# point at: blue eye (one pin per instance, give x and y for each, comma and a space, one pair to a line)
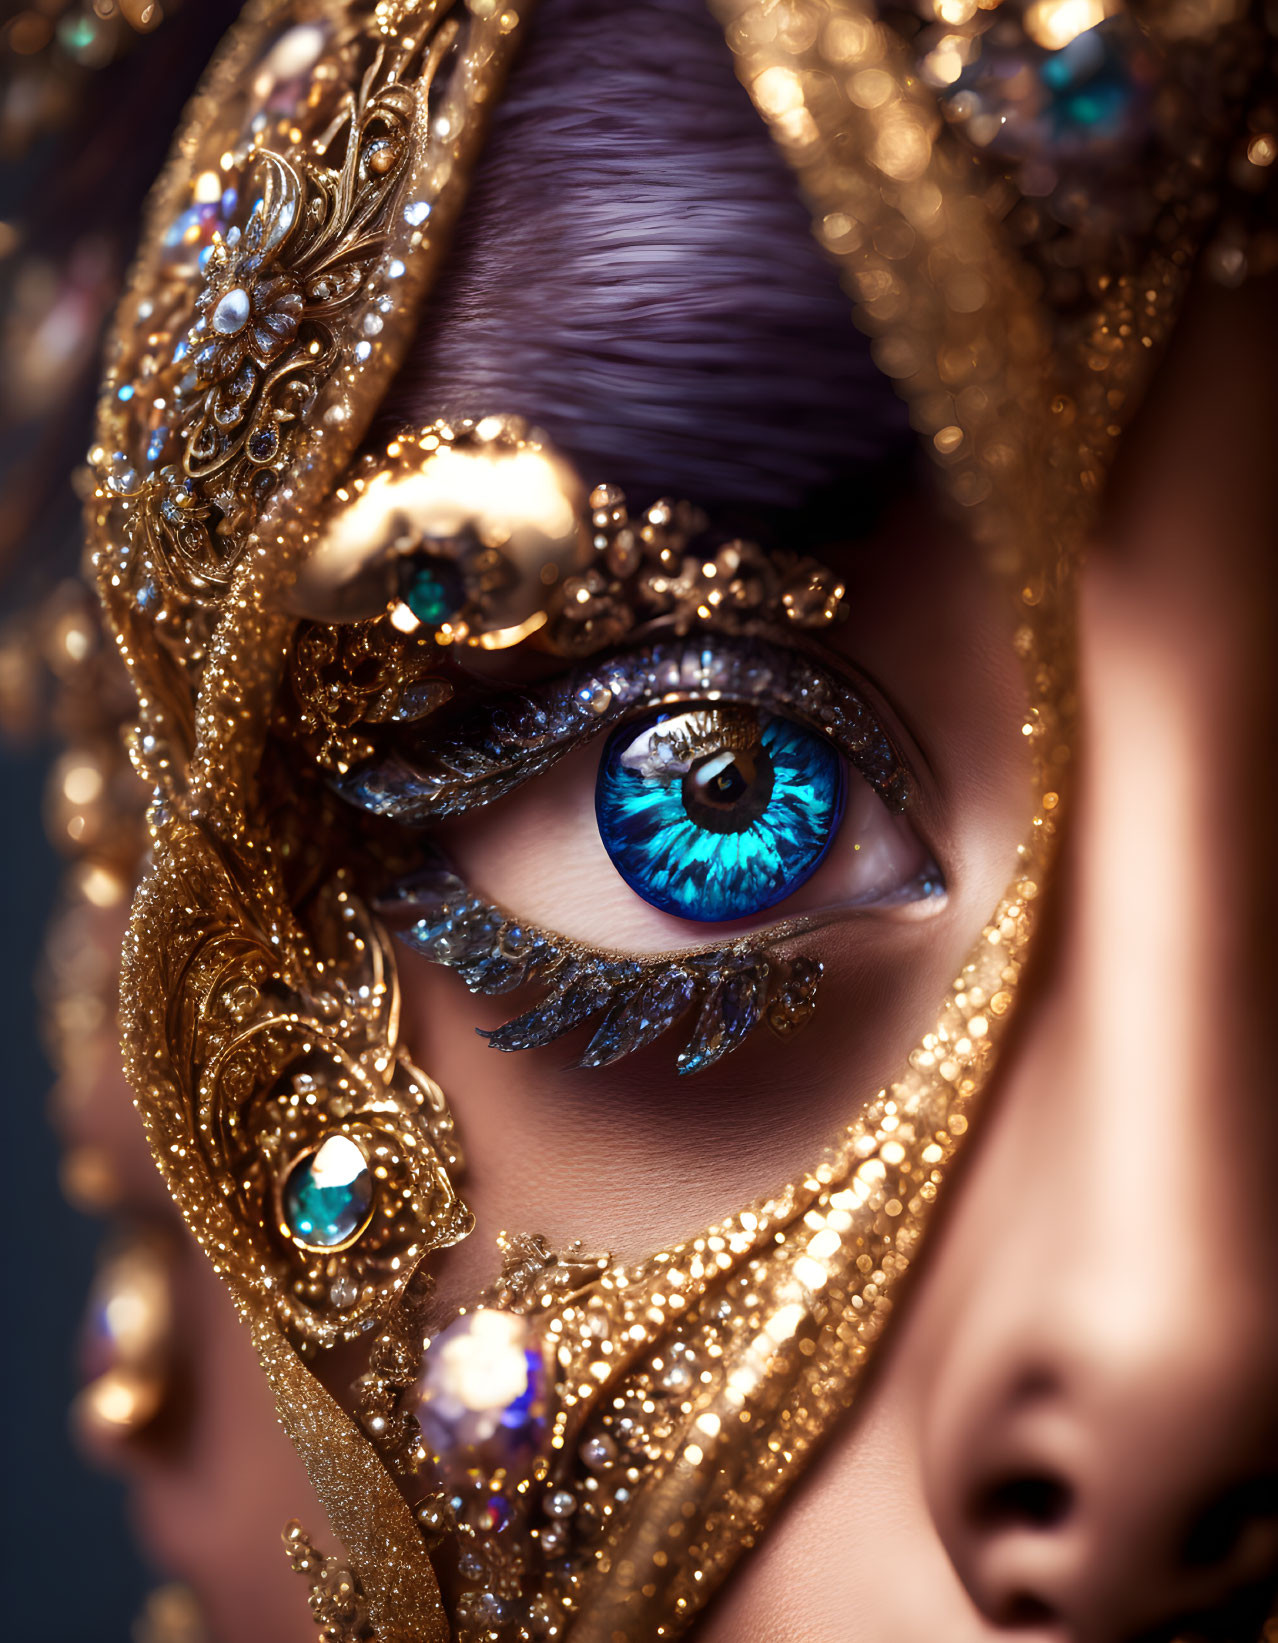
716, 813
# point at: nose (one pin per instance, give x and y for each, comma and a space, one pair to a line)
1099, 1420
1100, 1438
1100, 1441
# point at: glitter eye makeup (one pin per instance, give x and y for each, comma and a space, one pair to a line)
718, 813
632, 1001
469, 756
724, 789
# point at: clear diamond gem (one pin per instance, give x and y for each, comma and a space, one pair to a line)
232, 313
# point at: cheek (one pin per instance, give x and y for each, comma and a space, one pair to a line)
632, 1156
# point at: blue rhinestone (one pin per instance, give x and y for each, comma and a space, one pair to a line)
328, 1196
190, 237
263, 444
1083, 102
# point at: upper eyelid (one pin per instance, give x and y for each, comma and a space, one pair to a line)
518, 734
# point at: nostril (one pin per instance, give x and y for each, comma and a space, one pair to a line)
1022, 1609
1218, 1533
1030, 1500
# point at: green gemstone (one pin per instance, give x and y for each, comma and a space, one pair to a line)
433, 591
328, 1196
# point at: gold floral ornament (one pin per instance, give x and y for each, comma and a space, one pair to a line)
298, 263
679, 1396
288, 249
476, 534
262, 337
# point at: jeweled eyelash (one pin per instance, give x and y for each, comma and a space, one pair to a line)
492, 748
732, 988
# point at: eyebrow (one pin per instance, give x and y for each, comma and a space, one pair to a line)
635, 273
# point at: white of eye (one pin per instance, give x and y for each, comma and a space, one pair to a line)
537, 854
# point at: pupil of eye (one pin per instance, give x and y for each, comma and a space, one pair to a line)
716, 813
730, 789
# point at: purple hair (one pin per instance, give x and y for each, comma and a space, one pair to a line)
635, 272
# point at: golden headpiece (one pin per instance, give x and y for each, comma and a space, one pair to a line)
1015, 199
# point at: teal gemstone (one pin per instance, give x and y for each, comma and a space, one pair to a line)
1083, 103
433, 591
328, 1196
79, 35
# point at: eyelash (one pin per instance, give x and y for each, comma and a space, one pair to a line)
496, 746
732, 988
492, 747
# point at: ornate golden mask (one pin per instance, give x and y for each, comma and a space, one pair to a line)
252, 565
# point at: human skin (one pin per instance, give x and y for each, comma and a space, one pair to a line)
1095, 1310
1072, 1431
1090, 1317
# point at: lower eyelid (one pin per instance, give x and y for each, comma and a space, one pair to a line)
708, 997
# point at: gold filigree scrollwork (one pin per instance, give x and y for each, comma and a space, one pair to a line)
273, 1051
353, 675
259, 1007
261, 340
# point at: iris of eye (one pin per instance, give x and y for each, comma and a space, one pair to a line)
728, 790
714, 811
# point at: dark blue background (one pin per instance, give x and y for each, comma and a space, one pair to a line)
74, 1575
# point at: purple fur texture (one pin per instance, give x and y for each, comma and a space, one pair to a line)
635, 272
